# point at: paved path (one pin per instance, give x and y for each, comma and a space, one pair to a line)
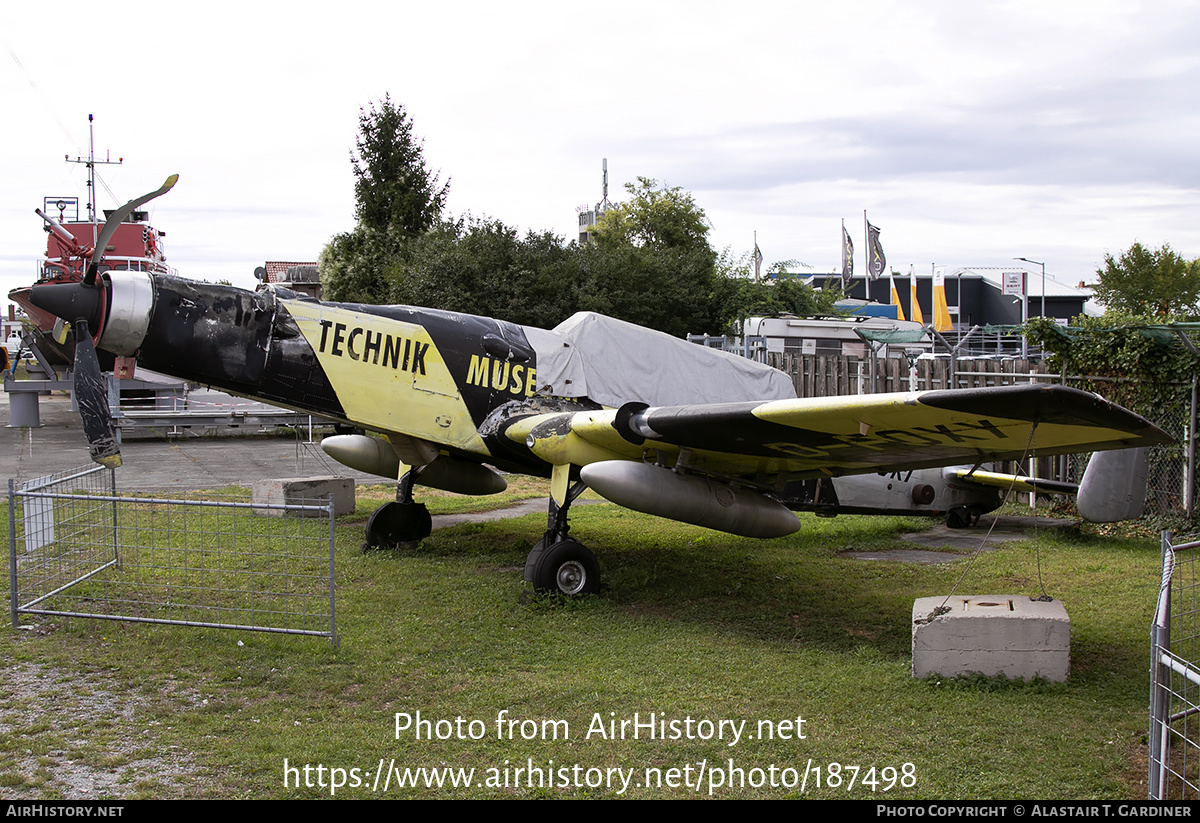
152, 461
940, 536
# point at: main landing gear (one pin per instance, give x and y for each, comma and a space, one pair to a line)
961, 518
557, 564
400, 521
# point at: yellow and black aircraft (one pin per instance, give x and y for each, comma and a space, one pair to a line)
648, 421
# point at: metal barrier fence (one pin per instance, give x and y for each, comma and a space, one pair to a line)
1174, 740
78, 549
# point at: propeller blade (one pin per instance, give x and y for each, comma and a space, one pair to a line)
91, 395
82, 304
111, 224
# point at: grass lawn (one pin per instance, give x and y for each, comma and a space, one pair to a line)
710, 636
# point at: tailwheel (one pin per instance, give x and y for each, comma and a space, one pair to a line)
565, 567
395, 524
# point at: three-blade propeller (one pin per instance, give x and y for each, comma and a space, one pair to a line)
84, 305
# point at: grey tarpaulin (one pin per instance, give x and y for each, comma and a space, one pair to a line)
613, 362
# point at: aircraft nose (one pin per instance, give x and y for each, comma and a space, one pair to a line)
70, 301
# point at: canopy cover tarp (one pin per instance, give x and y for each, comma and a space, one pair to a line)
613, 362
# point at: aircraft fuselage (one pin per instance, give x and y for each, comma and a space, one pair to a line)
428, 374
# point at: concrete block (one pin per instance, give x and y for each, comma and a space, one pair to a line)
23, 409
1009, 635
304, 490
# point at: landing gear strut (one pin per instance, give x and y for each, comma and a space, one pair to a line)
557, 564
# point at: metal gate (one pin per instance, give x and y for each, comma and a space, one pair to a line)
1175, 679
78, 549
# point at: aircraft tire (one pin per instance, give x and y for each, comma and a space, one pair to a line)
396, 524
534, 557
567, 568
959, 518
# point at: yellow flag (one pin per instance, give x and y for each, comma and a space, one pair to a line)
896, 300
917, 316
941, 311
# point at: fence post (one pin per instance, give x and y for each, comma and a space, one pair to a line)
1190, 473
112, 492
329, 512
12, 553
1160, 638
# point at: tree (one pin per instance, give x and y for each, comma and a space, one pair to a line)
1129, 358
487, 268
1156, 282
357, 266
397, 198
654, 217
738, 296
393, 188
652, 263
786, 294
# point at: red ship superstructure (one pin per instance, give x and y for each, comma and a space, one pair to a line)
71, 241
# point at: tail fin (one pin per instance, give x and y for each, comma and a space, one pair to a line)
1114, 485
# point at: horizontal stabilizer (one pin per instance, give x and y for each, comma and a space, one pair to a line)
1016, 482
1113, 486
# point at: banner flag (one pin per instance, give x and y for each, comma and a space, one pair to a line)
915, 308
941, 311
896, 299
876, 260
847, 257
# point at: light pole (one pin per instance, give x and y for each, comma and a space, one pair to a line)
1043, 265
1032, 464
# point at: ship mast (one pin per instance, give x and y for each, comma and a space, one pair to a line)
91, 162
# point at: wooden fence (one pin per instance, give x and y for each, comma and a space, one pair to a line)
816, 375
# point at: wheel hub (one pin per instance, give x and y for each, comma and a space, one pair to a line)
571, 577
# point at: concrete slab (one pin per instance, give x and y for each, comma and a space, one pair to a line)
1007, 529
536, 505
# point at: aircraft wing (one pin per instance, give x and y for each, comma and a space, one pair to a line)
832, 436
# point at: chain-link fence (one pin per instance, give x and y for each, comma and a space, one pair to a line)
1170, 493
78, 548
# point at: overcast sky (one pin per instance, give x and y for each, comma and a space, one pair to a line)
971, 133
